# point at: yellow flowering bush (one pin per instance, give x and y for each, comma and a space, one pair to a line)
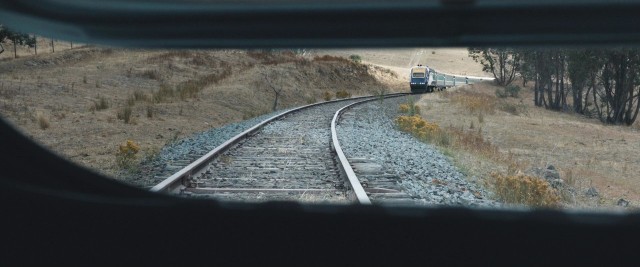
127, 154
523, 189
410, 109
422, 129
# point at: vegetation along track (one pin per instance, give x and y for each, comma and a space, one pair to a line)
287, 157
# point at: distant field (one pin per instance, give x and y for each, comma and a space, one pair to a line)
449, 60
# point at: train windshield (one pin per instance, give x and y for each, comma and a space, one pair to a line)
547, 128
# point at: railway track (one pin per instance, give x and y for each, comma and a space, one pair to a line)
292, 156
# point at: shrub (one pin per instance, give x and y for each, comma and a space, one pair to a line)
330, 58
151, 74
127, 154
125, 114
149, 111
509, 91
164, 93
513, 90
404, 108
422, 129
131, 101
527, 190
343, 94
101, 104
410, 109
326, 96
43, 122
139, 96
501, 93
510, 108
356, 58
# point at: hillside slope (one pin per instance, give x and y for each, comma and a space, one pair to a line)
85, 102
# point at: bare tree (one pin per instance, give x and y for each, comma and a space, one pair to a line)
274, 86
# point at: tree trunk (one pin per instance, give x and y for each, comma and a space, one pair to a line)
15, 50
275, 103
53, 48
596, 105
35, 44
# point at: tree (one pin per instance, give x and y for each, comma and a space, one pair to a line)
583, 66
607, 80
503, 63
16, 38
617, 99
269, 81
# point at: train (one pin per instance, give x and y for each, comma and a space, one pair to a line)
422, 79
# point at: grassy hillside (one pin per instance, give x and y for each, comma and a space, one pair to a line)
84, 102
493, 138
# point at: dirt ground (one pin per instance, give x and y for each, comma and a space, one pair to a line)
586, 152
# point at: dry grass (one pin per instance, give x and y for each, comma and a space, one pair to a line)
519, 137
183, 91
342, 94
275, 57
151, 74
474, 142
191, 88
331, 58
473, 102
43, 122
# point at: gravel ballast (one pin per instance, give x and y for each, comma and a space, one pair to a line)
181, 153
368, 131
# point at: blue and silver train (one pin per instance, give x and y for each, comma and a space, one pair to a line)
422, 79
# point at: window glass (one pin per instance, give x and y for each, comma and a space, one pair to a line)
553, 128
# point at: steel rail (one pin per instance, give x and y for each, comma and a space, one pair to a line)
358, 191
178, 180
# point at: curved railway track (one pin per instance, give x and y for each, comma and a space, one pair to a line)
292, 156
